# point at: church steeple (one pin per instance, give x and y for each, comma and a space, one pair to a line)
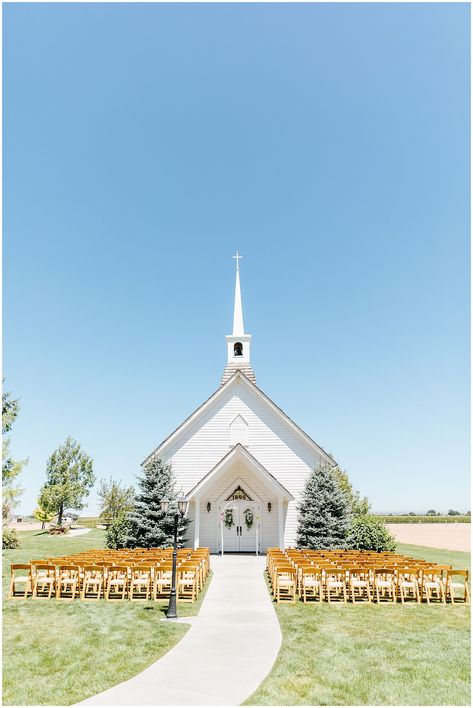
238, 343
238, 327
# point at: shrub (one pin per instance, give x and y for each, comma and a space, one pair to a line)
368, 533
117, 533
10, 539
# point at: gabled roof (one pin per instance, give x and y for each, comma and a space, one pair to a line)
241, 453
240, 377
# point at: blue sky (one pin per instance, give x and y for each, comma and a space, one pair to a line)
329, 143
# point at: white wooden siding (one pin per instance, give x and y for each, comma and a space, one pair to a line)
271, 441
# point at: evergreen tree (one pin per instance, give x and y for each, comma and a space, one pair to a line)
148, 526
324, 513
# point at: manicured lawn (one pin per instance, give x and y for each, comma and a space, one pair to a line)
370, 655
61, 652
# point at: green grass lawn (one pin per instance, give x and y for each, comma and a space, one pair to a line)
370, 655
61, 652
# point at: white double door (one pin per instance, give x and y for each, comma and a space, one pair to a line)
238, 537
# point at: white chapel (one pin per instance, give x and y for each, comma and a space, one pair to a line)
241, 462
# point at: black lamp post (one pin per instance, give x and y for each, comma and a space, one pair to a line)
182, 506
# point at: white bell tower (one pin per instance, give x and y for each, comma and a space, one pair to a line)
238, 343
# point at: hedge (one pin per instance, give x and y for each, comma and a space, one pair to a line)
393, 519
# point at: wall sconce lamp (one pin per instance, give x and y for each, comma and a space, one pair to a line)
209, 506
269, 507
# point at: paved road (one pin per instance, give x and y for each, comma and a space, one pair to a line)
229, 649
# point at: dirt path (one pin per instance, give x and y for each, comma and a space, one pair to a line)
454, 537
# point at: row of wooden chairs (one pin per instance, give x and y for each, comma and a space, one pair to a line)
93, 575
357, 576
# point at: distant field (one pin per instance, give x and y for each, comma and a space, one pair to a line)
393, 519
88, 521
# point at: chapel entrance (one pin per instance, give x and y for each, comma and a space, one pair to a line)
239, 527
239, 521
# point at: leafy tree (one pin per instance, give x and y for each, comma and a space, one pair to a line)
368, 533
412, 513
324, 512
453, 512
115, 499
149, 527
117, 533
11, 468
358, 504
44, 516
10, 410
432, 512
69, 478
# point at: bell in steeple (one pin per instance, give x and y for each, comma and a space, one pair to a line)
238, 343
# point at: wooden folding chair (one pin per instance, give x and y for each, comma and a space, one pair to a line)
452, 585
407, 582
141, 581
162, 581
431, 583
311, 583
285, 585
116, 583
384, 581
92, 582
359, 584
68, 580
25, 578
187, 582
335, 582
44, 580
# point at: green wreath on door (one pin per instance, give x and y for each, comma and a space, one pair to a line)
249, 518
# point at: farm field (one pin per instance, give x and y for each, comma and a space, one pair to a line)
372, 655
61, 652
454, 537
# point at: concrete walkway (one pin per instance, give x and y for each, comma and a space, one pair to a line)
228, 650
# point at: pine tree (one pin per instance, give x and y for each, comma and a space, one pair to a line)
148, 526
324, 513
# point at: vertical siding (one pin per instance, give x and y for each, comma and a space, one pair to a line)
270, 440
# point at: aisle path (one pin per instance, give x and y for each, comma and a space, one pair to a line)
228, 650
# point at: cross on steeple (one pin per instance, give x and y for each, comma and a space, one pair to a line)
237, 257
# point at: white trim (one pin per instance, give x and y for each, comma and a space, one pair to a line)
281, 524
196, 522
239, 378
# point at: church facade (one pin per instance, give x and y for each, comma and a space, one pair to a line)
241, 462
